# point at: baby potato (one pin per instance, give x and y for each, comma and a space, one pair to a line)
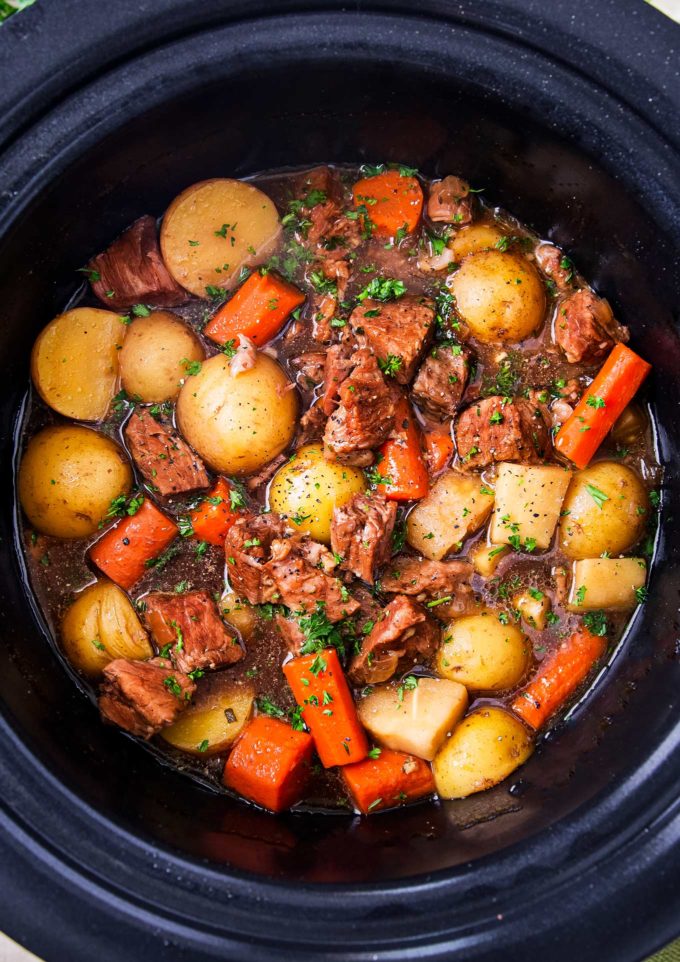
237, 424
238, 613
218, 711
309, 487
483, 654
487, 746
152, 361
605, 509
630, 426
476, 237
74, 364
213, 229
68, 477
100, 626
499, 295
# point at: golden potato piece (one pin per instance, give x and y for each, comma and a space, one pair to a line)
457, 506
611, 583
217, 713
101, 625
605, 509
500, 296
534, 607
154, 356
213, 229
238, 613
68, 477
414, 719
484, 749
485, 557
74, 364
476, 237
528, 503
309, 487
483, 654
237, 424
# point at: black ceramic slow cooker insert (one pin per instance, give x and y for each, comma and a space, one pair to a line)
569, 116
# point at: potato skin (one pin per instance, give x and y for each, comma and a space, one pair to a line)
205, 720
483, 654
68, 477
486, 747
492, 302
588, 530
476, 237
237, 424
151, 359
309, 486
74, 363
198, 227
100, 626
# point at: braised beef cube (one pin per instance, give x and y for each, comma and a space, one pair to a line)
365, 415
143, 696
310, 367
441, 381
247, 548
555, 265
404, 636
312, 425
131, 271
449, 201
445, 582
502, 429
163, 458
361, 533
265, 473
189, 627
585, 327
397, 331
291, 633
340, 360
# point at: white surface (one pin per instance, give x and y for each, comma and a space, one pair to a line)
11, 952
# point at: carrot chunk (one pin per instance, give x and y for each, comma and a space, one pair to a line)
392, 201
558, 677
438, 450
402, 465
612, 390
258, 310
320, 688
124, 551
270, 763
387, 780
215, 514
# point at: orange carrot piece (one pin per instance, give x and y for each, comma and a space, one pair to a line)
612, 390
393, 202
270, 763
558, 677
328, 709
211, 520
258, 310
123, 552
388, 780
438, 450
402, 464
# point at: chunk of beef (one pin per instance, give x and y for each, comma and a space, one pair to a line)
441, 381
365, 415
291, 632
405, 636
322, 308
450, 202
266, 473
427, 580
267, 562
312, 425
310, 367
143, 696
339, 362
131, 270
555, 265
361, 532
189, 626
499, 429
166, 461
585, 327
397, 331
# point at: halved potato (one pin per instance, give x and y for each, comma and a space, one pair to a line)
482, 653
457, 506
74, 364
237, 424
485, 748
533, 606
155, 355
528, 503
416, 719
476, 237
611, 583
218, 711
485, 557
68, 477
101, 625
309, 487
213, 229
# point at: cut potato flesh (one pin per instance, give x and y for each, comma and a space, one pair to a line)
612, 583
416, 719
485, 558
457, 506
217, 714
215, 228
528, 504
74, 364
